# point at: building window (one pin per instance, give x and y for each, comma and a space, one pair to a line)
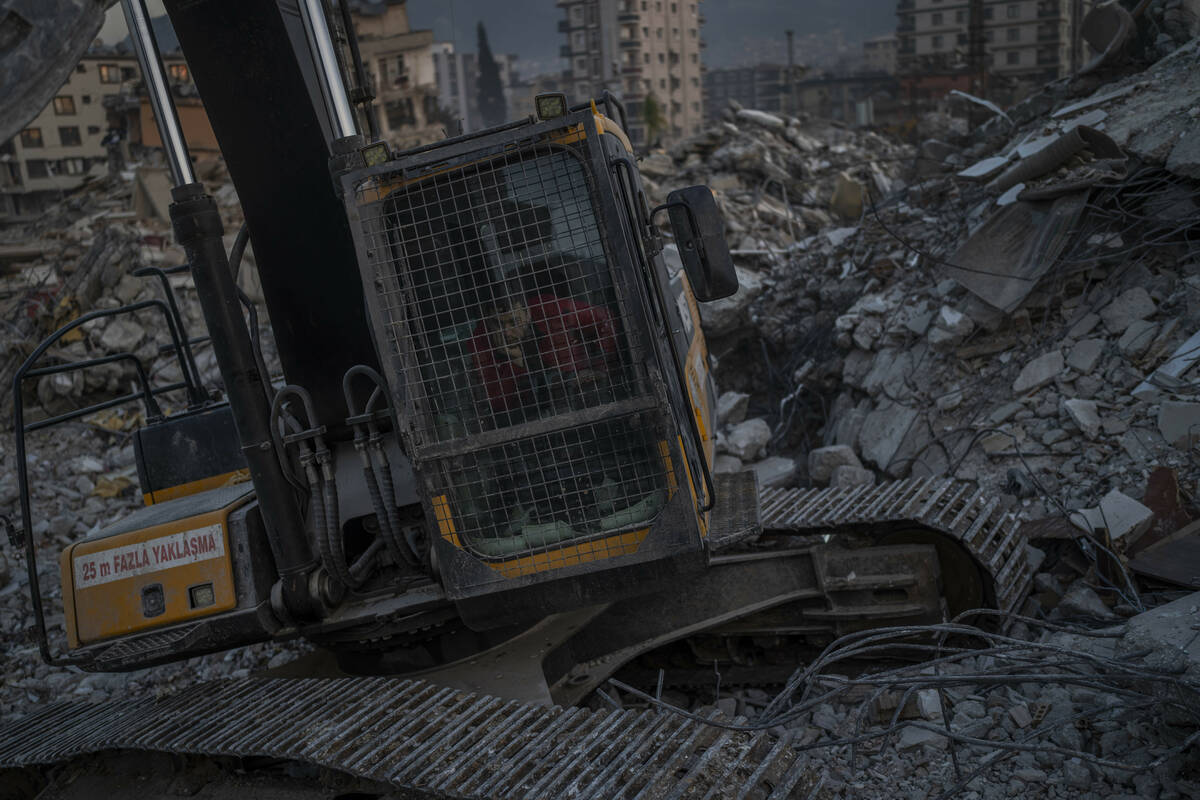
988, 36
695, 58
937, 42
87, 99
109, 73
662, 57
68, 135
128, 73
93, 130
646, 57
64, 105
80, 67
662, 83
658, 32
960, 16
36, 168
1014, 34
31, 137
178, 72
1014, 57
987, 12
72, 166
962, 38
937, 18
1013, 12
674, 8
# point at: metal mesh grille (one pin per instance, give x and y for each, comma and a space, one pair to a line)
515, 350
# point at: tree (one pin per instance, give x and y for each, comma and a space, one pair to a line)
490, 92
652, 116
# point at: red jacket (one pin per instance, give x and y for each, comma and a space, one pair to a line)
564, 328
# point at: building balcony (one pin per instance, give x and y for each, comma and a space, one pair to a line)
906, 27
628, 16
631, 43
564, 25
1053, 11
565, 51
1048, 36
906, 5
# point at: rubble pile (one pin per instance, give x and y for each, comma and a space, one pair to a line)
1016, 306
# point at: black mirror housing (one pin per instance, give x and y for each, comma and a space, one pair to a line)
700, 235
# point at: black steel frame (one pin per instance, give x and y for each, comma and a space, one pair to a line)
627, 258
147, 395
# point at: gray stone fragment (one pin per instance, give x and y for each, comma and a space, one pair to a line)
822, 461
1117, 513
1084, 325
1085, 355
848, 477
912, 737
1077, 775
731, 408
1039, 372
1131, 305
883, 432
747, 439
1081, 601
774, 472
1137, 338
1085, 415
122, 335
1179, 423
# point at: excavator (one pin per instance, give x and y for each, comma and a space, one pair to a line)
488, 464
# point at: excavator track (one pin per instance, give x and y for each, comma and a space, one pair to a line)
427, 740
955, 509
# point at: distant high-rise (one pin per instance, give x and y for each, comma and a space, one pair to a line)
1025, 41
647, 52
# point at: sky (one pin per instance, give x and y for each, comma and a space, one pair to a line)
738, 32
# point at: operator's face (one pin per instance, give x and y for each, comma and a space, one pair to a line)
514, 324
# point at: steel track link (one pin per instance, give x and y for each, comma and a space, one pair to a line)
958, 509
429, 740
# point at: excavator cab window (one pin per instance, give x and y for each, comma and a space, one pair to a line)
500, 289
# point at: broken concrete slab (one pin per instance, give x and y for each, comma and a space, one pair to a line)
848, 476
1179, 423
1126, 308
1085, 415
822, 461
727, 315
731, 408
1118, 513
1081, 601
884, 431
1039, 372
774, 471
1184, 357
985, 169
1014, 248
1137, 338
726, 463
1085, 355
747, 439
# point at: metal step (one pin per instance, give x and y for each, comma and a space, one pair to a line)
429, 740
958, 509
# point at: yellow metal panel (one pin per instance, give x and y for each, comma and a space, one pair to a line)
105, 578
441, 510
609, 547
195, 487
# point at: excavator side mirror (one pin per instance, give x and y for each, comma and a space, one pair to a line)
700, 236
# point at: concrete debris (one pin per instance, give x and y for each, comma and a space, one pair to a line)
847, 476
1179, 423
824, 460
746, 440
1085, 355
1127, 308
774, 472
731, 408
1038, 372
1083, 413
1119, 515
1081, 601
